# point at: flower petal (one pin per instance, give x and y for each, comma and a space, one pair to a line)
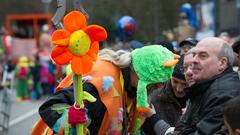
60, 37
96, 32
76, 65
74, 20
60, 55
92, 55
58, 50
93, 51
94, 47
87, 63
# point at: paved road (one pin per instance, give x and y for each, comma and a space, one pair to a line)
23, 115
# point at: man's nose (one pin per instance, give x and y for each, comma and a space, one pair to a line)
195, 59
188, 72
179, 88
185, 50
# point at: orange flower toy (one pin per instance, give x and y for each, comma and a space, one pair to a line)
77, 44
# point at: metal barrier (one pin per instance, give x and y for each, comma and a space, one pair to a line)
5, 106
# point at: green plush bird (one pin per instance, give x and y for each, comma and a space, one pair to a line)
152, 64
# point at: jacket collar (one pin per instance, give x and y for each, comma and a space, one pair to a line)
200, 87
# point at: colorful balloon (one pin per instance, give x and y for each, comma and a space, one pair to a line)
126, 26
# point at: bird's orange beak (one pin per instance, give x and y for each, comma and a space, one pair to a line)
171, 63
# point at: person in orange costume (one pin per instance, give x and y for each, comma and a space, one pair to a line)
114, 81
118, 103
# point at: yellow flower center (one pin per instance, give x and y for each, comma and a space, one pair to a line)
79, 43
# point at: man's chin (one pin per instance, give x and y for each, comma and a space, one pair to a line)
180, 95
191, 82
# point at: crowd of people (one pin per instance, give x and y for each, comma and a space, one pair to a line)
191, 91
199, 97
27, 76
153, 89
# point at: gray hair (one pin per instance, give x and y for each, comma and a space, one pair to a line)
120, 58
226, 51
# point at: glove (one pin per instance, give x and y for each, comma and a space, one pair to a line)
76, 115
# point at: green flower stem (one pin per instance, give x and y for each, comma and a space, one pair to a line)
78, 95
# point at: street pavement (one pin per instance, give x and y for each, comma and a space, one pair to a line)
23, 116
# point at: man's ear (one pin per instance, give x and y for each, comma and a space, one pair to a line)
223, 63
237, 131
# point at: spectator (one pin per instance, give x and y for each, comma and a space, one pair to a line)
22, 76
225, 36
236, 49
35, 70
187, 44
231, 113
184, 29
187, 62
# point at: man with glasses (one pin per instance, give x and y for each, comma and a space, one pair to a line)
187, 44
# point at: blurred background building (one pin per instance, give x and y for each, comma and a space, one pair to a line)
153, 17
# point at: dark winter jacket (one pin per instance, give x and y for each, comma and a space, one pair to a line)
167, 106
206, 100
96, 110
204, 113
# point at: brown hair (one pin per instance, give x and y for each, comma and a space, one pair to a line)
231, 113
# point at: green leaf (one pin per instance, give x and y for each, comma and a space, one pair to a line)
87, 96
60, 108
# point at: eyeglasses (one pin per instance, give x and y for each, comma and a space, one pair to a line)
190, 66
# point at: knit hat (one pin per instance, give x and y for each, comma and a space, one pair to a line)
148, 64
178, 71
166, 44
